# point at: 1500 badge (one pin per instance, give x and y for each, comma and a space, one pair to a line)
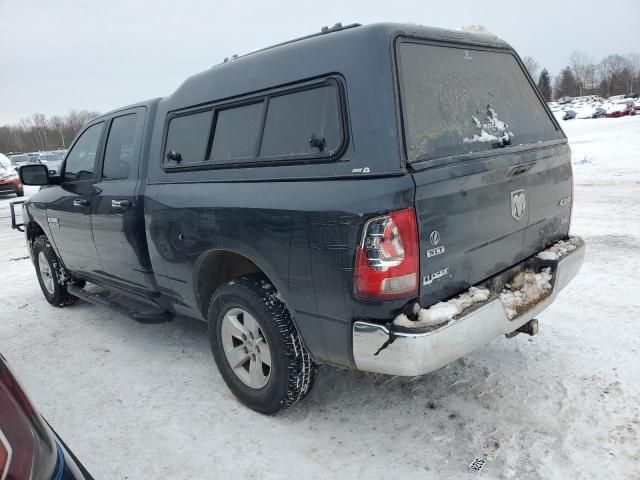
53, 222
429, 279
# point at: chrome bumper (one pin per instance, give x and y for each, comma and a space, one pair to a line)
408, 354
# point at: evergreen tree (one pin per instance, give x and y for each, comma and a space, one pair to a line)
568, 85
544, 85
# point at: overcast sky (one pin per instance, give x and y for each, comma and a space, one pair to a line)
61, 54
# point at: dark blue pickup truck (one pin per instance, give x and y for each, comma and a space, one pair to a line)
384, 197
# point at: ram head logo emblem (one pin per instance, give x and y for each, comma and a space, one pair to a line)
518, 204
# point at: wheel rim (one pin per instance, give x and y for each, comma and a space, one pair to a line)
246, 348
45, 273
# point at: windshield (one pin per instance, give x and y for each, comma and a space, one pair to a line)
18, 159
459, 101
52, 157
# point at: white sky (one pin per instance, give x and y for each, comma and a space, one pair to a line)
61, 54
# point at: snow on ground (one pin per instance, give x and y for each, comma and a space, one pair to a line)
141, 402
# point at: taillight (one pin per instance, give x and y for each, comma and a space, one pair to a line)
5, 456
27, 448
387, 257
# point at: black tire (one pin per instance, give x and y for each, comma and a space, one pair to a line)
20, 191
292, 371
59, 297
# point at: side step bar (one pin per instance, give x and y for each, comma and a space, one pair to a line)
137, 310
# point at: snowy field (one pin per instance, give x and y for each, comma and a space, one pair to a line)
146, 402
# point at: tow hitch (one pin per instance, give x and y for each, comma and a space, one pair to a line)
530, 328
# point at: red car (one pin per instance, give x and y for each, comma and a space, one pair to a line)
9, 181
621, 109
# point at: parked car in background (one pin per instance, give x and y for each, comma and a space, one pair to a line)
23, 158
621, 109
9, 180
569, 115
53, 160
29, 447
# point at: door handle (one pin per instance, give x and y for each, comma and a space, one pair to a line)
83, 202
120, 204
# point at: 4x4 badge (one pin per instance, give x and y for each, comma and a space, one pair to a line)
518, 203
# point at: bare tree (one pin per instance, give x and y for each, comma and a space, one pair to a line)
610, 68
633, 63
531, 65
40, 126
58, 124
580, 63
38, 132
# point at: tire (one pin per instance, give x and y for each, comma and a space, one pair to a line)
20, 192
291, 372
55, 280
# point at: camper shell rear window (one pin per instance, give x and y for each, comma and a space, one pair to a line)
458, 100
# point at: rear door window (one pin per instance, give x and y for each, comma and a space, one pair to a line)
119, 153
457, 101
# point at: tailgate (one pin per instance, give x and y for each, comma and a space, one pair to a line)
491, 166
467, 216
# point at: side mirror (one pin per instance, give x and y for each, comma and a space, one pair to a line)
36, 174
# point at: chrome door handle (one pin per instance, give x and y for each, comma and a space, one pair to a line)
120, 203
81, 202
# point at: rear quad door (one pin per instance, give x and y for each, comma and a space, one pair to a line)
116, 213
69, 215
491, 166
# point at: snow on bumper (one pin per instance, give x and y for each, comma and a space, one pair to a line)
383, 349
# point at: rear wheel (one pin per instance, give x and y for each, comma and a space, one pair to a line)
256, 346
52, 276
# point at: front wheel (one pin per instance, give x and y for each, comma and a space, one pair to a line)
52, 276
256, 346
20, 191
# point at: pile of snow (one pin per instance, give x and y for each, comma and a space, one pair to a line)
492, 130
478, 29
558, 250
442, 312
525, 290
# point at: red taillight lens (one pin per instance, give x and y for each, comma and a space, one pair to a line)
5, 456
387, 257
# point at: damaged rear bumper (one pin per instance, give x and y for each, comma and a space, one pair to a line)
382, 349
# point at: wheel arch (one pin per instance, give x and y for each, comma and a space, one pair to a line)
216, 267
33, 230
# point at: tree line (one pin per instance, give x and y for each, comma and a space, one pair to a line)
42, 132
612, 75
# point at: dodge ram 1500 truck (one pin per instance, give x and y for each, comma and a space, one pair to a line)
386, 198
